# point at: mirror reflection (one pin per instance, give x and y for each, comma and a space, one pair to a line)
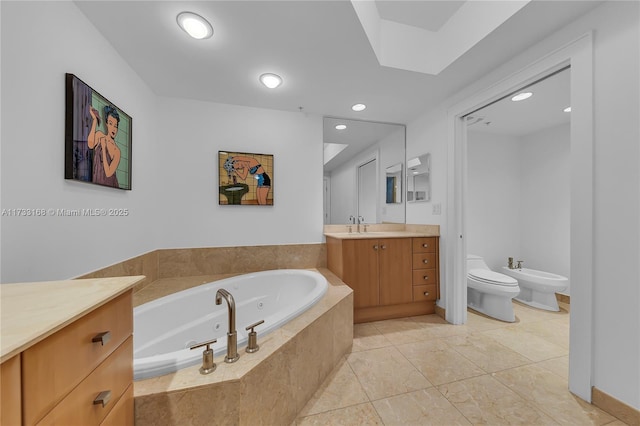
357, 157
394, 184
419, 179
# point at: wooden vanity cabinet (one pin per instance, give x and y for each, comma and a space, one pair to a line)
383, 275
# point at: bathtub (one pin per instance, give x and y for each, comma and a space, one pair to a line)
164, 329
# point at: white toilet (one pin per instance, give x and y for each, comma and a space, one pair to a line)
490, 292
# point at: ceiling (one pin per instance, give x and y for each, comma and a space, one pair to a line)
544, 109
321, 49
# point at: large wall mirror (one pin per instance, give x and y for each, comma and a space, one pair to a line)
363, 171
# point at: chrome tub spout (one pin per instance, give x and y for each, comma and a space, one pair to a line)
232, 335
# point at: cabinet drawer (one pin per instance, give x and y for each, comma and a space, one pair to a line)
424, 245
54, 366
115, 374
424, 276
122, 413
420, 290
424, 260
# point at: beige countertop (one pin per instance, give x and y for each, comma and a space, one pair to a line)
381, 231
29, 312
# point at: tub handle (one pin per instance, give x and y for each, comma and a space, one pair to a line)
208, 366
252, 345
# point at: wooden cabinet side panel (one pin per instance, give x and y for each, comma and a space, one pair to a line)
360, 261
334, 256
396, 275
10, 392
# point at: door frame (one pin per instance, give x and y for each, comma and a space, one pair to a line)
579, 55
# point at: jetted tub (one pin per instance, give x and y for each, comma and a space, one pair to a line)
164, 329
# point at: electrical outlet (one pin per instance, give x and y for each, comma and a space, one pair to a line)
437, 208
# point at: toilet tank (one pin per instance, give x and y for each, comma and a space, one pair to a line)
475, 262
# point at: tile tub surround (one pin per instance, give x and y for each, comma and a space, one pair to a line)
267, 387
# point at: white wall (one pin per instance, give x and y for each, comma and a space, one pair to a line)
518, 199
616, 331
41, 41
174, 200
544, 202
493, 198
195, 132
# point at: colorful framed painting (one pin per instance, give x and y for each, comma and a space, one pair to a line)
97, 138
245, 179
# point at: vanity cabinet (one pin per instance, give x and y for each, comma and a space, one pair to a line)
390, 277
81, 374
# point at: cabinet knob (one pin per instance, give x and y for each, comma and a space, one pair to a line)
102, 398
425, 245
384, 247
426, 278
102, 338
375, 247
426, 293
425, 261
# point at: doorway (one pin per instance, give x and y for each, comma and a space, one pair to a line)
367, 191
578, 54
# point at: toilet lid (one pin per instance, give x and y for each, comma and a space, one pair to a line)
491, 277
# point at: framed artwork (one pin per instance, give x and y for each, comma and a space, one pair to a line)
97, 138
245, 178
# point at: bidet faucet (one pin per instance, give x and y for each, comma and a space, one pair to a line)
232, 335
511, 263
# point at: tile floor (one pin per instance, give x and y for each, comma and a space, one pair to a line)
424, 371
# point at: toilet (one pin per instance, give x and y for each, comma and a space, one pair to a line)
490, 292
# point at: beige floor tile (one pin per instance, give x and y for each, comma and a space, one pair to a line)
367, 336
549, 393
438, 362
556, 332
356, 415
423, 407
480, 322
559, 366
401, 330
385, 372
484, 400
527, 344
341, 389
528, 313
436, 327
486, 353
617, 423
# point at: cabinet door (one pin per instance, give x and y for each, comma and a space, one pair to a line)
396, 275
360, 259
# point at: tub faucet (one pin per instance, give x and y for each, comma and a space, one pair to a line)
232, 335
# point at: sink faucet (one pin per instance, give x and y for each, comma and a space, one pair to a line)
360, 220
232, 335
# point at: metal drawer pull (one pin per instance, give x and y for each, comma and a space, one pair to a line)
103, 338
426, 293
103, 398
425, 261
426, 277
425, 245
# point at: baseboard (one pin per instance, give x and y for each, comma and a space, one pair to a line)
441, 312
616, 408
563, 298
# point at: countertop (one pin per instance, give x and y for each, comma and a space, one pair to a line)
381, 231
29, 312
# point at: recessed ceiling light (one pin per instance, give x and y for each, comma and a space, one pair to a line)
341, 127
522, 96
194, 25
359, 107
271, 80
567, 109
